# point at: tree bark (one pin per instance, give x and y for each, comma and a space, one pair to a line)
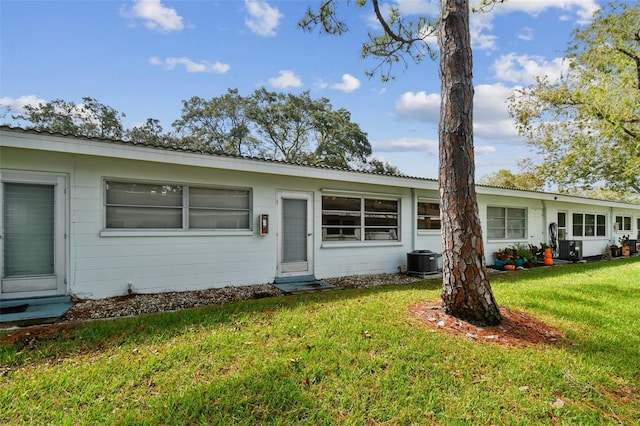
466, 292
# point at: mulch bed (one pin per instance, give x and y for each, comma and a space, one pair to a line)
517, 328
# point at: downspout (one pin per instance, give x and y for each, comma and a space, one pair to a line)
545, 223
414, 218
612, 238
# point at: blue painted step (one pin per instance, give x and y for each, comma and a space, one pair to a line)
41, 310
303, 284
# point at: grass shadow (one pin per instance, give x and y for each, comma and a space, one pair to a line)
21, 346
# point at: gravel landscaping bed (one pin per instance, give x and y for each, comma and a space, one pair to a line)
137, 304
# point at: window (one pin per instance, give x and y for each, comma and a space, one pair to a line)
428, 215
131, 205
562, 225
623, 223
589, 225
506, 223
358, 218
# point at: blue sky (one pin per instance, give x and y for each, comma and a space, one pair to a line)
145, 57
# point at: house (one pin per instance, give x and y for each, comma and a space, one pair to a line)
98, 218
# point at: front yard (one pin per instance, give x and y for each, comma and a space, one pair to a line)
341, 357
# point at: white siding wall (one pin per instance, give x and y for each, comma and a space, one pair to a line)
103, 264
334, 259
535, 233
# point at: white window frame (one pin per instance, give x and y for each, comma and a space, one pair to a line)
620, 225
422, 216
184, 207
583, 225
361, 228
506, 224
561, 235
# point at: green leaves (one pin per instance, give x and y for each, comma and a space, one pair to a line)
275, 125
587, 124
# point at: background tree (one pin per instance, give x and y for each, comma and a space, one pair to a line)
587, 123
528, 178
150, 133
466, 292
274, 125
90, 118
219, 123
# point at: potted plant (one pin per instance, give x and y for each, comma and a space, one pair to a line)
615, 250
499, 257
522, 255
625, 248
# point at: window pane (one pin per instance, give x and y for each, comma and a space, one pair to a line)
380, 205
428, 209
562, 220
340, 219
380, 220
589, 225
496, 223
496, 233
428, 223
341, 203
626, 223
144, 217
219, 198
496, 212
341, 234
381, 234
294, 230
514, 234
218, 219
28, 218
515, 213
601, 225
578, 223
138, 194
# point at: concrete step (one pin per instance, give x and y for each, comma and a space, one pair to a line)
42, 310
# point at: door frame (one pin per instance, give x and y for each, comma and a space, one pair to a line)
295, 195
59, 182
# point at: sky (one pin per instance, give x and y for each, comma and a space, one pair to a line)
144, 57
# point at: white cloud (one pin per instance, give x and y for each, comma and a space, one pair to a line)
428, 146
17, 105
285, 79
584, 9
348, 84
481, 23
484, 150
263, 19
157, 16
419, 106
523, 69
491, 120
491, 116
418, 7
190, 66
525, 34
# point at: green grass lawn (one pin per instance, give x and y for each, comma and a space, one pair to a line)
342, 357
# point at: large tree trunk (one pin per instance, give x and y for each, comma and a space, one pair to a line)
466, 292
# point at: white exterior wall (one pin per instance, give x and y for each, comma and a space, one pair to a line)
535, 226
591, 246
103, 263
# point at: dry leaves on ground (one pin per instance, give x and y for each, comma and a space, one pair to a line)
517, 328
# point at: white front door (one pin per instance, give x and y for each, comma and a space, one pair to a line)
32, 252
295, 234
